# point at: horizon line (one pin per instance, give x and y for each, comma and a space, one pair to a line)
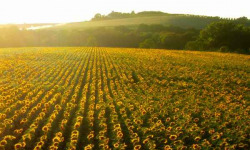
19, 23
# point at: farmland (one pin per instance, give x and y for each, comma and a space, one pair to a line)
174, 20
117, 98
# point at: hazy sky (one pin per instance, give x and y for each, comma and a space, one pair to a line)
60, 11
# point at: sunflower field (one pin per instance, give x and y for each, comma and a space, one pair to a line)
84, 98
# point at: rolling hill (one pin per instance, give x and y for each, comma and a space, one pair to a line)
184, 21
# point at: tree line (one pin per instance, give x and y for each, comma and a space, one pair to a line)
227, 36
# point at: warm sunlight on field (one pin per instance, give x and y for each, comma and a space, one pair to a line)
101, 98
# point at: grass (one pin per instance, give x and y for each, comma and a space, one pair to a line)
184, 21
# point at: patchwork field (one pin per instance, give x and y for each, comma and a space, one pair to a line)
114, 98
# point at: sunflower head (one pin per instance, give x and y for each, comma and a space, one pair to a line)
45, 129
90, 136
173, 137
197, 138
216, 137
145, 141
196, 146
18, 146
116, 145
167, 147
137, 147
3, 142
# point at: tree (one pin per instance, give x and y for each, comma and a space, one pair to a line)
235, 37
148, 43
97, 16
133, 12
242, 20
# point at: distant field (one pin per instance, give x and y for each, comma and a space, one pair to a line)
177, 20
25, 26
101, 98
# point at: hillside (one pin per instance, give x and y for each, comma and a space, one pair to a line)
142, 30
184, 21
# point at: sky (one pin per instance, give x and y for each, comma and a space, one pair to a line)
63, 11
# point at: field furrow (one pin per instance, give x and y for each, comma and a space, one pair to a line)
84, 98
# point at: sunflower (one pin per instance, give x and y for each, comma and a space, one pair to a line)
205, 142
196, 119
18, 146
26, 137
137, 147
196, 146
23, 144
242, 145
116, 145
56, 139
173, 137
167, 147
202, 132
56, 144
23, 121
211, 131
79, 118
90, 136
150, 136
172, 123
178, 128
102, 146
37, 148
169, 129
40, 143
89, 147
107, 147
58, 107
77, 125
3, 142
72, 147
101, 137
9, 137
45, 129
117, 126
168, 119
119, 134
59, 134
145, 141
197, 138
131, 127
223, 144
216, 137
